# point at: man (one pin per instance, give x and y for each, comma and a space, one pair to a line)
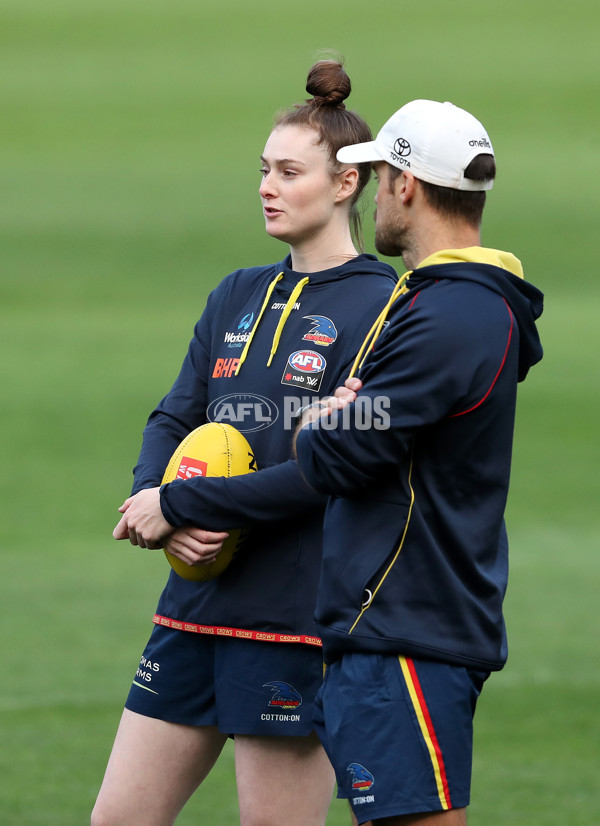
415, 550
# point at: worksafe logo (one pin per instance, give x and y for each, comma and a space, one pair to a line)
402, 147
242, 335
246, 321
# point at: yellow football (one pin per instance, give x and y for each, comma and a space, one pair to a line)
213, 449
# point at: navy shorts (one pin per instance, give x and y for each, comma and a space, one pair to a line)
399, 733
240, 686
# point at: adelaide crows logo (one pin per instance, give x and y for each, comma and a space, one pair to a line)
361, 778
323, 330
284, 695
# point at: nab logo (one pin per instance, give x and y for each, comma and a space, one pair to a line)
361, 778
307, 361
284, 695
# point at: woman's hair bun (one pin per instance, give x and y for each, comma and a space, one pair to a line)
328, 83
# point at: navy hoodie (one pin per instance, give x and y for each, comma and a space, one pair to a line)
415, 557
298, 348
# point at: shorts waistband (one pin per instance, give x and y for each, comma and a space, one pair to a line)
237, 633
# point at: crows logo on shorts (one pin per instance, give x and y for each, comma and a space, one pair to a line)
284, 695
361, 778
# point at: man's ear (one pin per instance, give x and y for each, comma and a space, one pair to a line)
407, 187
348, 181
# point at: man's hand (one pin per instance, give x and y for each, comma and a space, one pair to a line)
143, 522
195, 546
323, 409
348, 392
342, 396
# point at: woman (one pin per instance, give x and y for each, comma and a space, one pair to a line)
284, 331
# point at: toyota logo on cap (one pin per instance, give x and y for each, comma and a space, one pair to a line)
402, 147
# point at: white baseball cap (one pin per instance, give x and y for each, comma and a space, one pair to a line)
435, 141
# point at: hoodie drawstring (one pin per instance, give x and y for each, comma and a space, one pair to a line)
270, 289
284, 317
373, 334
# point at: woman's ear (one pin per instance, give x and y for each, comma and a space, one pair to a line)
348, 181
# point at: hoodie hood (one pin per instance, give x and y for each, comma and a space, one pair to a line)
476, 255
364, 264
498, 271
288, 285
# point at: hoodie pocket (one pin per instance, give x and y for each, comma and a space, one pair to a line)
359, 552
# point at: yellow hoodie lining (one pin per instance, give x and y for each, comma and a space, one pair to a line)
476, 255
375, 330
283, 318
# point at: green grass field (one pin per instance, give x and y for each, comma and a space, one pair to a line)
130, 139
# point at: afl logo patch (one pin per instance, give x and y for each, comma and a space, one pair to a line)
304, 368
307, 361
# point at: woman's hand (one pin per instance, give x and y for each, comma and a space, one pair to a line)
195, 546
143, 522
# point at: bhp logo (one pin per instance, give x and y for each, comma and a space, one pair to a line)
225, 368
